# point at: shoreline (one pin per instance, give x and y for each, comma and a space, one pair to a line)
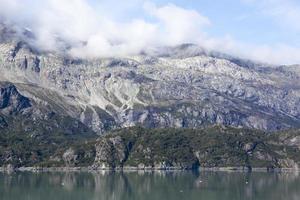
136, 169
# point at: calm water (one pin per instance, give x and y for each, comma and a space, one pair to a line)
150, 186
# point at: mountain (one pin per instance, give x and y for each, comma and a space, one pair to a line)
181, 86
190, 107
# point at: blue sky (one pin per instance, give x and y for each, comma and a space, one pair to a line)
240, 20
243, 20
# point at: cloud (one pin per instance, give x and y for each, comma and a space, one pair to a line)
92, 29
76, 23
170, 25
277, 54
178, 25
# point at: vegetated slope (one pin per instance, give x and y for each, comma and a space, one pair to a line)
214, 146
31, 130
141, 148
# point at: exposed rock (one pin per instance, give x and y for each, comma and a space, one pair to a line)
288, 163
10, 168
293, 141
11, 100
110, 153
264, 156
70, 158
36, 65
24, 64
3, 123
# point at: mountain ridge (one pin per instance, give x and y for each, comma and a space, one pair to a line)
180, 86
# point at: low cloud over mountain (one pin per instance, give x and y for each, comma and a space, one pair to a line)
88, 29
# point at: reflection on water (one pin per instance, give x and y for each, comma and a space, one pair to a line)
150, 186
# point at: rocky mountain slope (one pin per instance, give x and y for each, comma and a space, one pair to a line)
182, 86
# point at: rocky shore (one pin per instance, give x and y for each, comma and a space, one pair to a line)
136, 169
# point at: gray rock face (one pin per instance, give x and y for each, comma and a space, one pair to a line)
11, 100
110, 153
183, 87
3, 123
70, 158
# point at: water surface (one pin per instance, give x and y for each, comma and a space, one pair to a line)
150, 186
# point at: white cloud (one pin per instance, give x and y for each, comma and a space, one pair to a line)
77, 22
178, 25
281, 54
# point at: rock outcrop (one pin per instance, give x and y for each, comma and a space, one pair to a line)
11, 101
110, 153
